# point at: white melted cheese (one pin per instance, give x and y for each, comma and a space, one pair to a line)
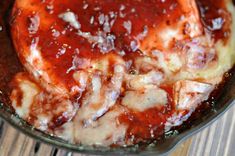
142, 100
144, 80
42, 105
29, 90
71, 18
103, 132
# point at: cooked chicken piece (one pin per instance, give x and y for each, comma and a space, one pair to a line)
189, 94
100, 98
42, 109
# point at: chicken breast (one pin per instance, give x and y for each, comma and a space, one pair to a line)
186, 25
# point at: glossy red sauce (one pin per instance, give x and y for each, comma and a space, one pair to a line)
215, 18
152, 121
63, 38
60, 42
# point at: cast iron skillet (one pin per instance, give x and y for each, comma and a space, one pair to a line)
9, 65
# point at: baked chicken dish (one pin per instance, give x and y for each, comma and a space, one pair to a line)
118, 72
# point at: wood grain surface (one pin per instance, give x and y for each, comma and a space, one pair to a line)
216, 140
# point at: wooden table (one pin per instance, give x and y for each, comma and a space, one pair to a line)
216, 140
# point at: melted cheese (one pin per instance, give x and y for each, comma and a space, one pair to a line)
104, 132
28, 90
142, 100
